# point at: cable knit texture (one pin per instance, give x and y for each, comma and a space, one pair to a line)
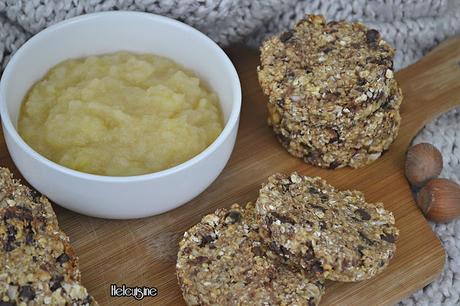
444, 133
413, 27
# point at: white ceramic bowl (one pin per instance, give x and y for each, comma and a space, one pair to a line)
132, 196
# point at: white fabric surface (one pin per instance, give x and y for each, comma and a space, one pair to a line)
412, 26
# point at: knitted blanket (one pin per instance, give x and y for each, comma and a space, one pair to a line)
413, 27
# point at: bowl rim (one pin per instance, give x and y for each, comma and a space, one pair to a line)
233, 119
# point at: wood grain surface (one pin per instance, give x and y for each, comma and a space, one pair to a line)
142, 252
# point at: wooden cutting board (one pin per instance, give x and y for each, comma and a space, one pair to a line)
142, 252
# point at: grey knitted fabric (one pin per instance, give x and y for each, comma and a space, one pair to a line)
412, 26
444, 133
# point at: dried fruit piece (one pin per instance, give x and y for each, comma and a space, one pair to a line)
285, 36
372, 37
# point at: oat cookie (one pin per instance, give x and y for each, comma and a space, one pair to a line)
38, 266
13, 193
221, 261
335, 146
27, 244
333, 233
327, 72
333, 100
39, 293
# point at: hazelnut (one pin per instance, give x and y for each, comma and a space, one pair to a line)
423, 162
439, 200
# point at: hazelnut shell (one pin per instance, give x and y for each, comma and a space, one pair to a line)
439, 200
423, 162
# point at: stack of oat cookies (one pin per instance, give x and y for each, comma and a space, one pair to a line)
279, 251
333, 99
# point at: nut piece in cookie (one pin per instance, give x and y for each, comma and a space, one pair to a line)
333, 233
222, 261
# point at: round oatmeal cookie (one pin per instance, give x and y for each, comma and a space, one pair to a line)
335, 146
14, 194
42, 265
333, 233
323, 72
30, 247
222, 261
40, 293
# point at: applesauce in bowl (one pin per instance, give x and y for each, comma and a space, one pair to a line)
120, 114
120, 197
